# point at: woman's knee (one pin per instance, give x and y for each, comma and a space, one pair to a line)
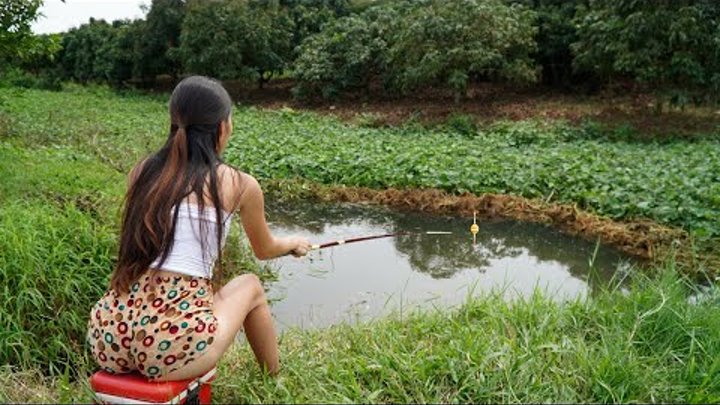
253, 287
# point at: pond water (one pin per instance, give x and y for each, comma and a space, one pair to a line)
359, 281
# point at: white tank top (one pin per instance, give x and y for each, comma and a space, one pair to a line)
186, 255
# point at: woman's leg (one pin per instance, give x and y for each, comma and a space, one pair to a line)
241, 302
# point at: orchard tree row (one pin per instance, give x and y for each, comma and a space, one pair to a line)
334, 46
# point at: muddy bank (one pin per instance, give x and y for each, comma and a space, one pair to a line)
640, 238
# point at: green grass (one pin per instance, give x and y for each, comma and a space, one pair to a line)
646, 344
675, 182
57, 238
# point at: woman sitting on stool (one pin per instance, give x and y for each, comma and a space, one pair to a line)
160, 315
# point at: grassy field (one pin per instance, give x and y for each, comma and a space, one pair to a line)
676, 182
63, 158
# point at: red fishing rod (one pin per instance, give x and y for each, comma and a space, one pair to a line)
364, 238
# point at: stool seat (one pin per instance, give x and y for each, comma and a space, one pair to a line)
134, 388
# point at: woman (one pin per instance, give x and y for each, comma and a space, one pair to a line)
160, 315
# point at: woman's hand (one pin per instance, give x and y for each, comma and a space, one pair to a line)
301, 246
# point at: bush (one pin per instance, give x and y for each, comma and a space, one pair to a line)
16, 77
231, 40
349, 53
463, 124
670, 46
450, 44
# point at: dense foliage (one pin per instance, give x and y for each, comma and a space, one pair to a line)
350, 53
556, 32
15, 35
674, 45
98, 51
451, 44
336, 47
309, 16
157, 41
407, 45
236, 39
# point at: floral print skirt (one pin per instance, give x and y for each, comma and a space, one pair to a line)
160, 325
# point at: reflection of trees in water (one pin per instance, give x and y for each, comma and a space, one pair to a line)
441, 256
317, 217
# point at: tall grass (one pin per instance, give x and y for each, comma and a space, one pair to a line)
646, 343
57, 243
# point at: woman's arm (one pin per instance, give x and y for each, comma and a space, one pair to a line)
264, 244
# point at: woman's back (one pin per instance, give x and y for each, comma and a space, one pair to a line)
195, 248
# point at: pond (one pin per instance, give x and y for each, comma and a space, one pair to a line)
359, 281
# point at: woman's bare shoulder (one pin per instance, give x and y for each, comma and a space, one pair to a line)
235, 183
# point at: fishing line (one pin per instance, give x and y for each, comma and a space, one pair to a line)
365, 238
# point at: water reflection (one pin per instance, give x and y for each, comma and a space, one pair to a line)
442, 256
368, 279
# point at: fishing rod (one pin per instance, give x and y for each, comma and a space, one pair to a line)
364, 238
474, 229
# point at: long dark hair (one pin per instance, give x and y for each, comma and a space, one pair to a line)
186, 164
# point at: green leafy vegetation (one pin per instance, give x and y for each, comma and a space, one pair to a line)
408, 45
671, 45
15, 35
236, 40
676, 182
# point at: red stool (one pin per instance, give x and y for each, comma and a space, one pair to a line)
134, 388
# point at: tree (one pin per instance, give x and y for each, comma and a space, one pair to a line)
449, 44
126, 53
349, 53
79, 50
42, 53
15, 35
236, 39
670, 46
157, 46
309, 16
98, 51
556, 32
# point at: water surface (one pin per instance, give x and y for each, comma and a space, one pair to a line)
363, 280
